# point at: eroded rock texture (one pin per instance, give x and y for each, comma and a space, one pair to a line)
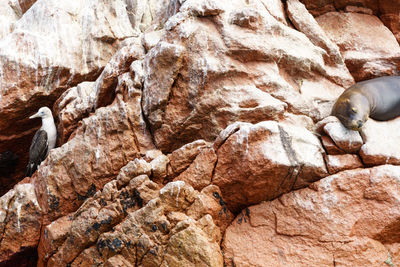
197, 133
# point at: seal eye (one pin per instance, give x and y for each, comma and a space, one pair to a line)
354, 109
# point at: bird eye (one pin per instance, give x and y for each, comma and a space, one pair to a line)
354, 109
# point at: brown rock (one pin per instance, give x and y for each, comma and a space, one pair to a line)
306, 23
330, 146
20, 223
88, 258
210, 202
52, 237
199, 173
247, 67
163, 233
71, 107
337, 221
41, 60
103, 144
369, 48
99, 214
337, 163
317, 8
381, 142
181, 158
262, 161
388, 10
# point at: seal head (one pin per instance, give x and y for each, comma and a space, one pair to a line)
352, 109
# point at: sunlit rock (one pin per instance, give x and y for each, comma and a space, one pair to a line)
381, 142
249, 66
262, 161
368, 47
344, 219
20, 223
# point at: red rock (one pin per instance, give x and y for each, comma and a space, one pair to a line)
52, 236
199, 173
155, 234
317, 8
262, 161
99, 214
338, 220
103, 144
231, 82
181, 158
41, 60
20, 224
330, 146
337, 163
369, 48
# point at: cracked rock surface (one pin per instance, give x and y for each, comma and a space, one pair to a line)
197, 133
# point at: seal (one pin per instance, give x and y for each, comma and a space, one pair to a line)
377, 98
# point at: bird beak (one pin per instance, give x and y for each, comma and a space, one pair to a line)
36, 115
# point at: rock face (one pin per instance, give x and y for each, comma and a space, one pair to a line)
197, 133
367, 55
260, 162
335, 222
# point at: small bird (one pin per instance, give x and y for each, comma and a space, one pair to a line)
43, 141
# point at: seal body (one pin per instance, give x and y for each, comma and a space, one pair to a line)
378, 98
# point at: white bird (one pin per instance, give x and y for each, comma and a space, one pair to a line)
43, 141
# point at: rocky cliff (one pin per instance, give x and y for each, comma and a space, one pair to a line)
196, 133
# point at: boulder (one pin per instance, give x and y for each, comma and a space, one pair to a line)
336, 221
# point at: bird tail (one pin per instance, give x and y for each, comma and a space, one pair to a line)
30, 169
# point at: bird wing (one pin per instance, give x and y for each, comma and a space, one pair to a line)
39, 146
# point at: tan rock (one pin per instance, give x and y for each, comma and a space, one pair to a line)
262, 161
8, 16
338, 220
134, 168
20, 224
337, 163
106, 85
276, 9
151, 39
191, 246
381, 142
369, 48
358, 9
